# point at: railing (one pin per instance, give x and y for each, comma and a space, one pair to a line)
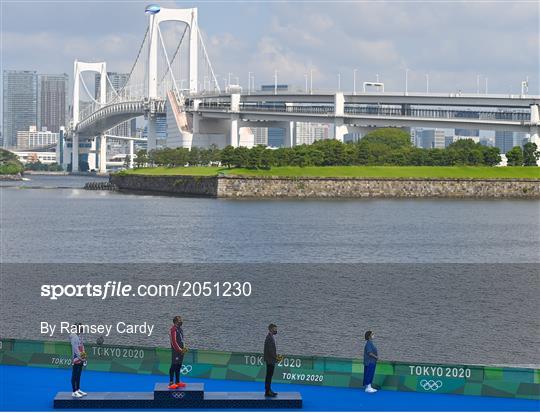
288, 108
437, 113
214, 105
153, 106
351, 109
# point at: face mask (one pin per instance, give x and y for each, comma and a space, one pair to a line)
180, 324
274, 332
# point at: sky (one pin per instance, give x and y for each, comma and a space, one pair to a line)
453, 42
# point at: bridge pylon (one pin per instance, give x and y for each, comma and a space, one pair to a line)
188, 16
78, 69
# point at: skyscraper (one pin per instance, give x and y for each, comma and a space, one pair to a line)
276, 137
52, 93
504, 140
260, 136
307, 133
19, 103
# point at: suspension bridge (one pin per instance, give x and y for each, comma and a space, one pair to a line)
180, 83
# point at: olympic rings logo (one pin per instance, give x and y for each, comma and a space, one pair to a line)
186, 369
431, 384
178, 394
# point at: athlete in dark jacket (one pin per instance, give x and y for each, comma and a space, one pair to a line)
178, 348
271, 358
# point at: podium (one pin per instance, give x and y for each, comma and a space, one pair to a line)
192, 396
192, 391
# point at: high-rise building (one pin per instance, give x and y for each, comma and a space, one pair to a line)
430, 138
307, 133
52, 98
117, 81
276, 137
161, 131
19, 98
487, 141
260, 136
34, 138
521, 138
439, 139
505, 140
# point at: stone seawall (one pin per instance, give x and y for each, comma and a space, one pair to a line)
11, 177
277, 187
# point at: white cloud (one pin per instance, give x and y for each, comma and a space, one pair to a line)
451, 41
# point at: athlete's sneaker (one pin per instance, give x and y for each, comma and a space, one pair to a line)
76, 394
82, 392
172, 386
370, 389
180, 384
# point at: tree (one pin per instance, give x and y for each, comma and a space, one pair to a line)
392, 137
267, 158
333, 151
55, 167
213, 153
141, 158
127, 161
515, 156
467, 152
9, 163
530, 154
194, 157
241, 157
254, 157
227, 156
492, 156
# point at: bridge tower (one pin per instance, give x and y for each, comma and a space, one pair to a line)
188, 16
78, 69
535, 126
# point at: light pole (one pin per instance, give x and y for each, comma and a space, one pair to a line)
354, 81
525, 86
477, 84
249, 83
305, 77
406, 81
311, 81
229, 79
339, 82
486, 85
427, 83
275, 82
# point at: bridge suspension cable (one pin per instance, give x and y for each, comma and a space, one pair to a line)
175, 53
132, 72
208, 62
87, 91
169, 70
